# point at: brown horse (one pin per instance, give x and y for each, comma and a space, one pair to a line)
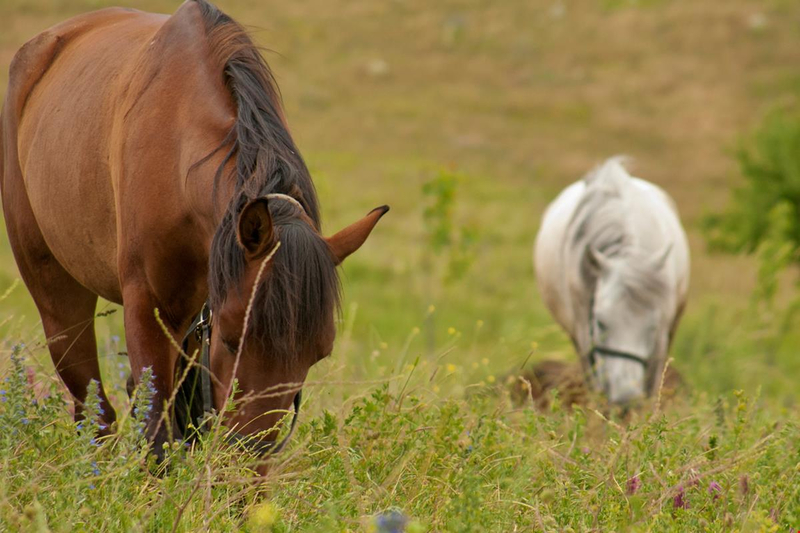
146, 159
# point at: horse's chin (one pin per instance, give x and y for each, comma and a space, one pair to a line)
626, 395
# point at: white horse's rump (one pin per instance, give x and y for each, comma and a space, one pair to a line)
612, 263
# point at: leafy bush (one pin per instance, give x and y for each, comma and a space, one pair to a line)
770, 198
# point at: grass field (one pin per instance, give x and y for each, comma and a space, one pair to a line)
518, 98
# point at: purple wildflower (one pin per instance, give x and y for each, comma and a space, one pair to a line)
679, 501
393, 521
91, 486
93, 442
633, 485
25, 421
715, 490
95, 470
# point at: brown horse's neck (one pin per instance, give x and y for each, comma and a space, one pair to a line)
265, 157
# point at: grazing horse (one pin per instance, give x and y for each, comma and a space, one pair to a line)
612, 263
146, 159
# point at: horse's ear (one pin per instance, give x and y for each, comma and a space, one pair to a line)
254, 230
595, 259
353, 236
660, 258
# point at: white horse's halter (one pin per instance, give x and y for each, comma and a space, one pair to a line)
599, 350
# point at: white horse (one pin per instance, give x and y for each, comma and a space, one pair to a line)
612, 263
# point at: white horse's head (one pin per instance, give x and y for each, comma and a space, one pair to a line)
629, 321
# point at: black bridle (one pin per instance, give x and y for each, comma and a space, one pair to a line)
189, 412
597, 351
603, 351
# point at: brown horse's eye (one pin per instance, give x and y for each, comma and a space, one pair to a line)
232, 347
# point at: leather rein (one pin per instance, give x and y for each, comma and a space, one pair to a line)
201, 384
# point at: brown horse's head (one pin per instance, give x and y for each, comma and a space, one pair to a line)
272, 207
274, 255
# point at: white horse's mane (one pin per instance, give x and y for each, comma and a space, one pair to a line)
603, 221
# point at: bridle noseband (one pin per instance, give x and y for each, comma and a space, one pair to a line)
188, 413
597, 351
610, 352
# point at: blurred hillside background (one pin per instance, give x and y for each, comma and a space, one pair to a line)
478, 113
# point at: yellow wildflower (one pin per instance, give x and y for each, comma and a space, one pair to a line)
263, 517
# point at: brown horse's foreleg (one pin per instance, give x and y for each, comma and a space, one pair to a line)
67, 311
69, 325
150, 347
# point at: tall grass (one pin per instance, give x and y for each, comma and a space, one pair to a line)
440, 443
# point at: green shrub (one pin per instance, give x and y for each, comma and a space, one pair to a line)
770, 163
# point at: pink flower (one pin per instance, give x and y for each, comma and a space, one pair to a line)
633, 485
679, 501
715, 489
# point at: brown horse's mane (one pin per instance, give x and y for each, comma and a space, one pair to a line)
294, 304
